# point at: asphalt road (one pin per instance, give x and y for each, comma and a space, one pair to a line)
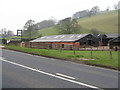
21, 70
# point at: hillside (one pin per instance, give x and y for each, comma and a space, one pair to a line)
106, 22
48, 31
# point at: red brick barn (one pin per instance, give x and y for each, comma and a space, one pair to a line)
66, 41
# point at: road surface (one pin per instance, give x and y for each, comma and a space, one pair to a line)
21, 70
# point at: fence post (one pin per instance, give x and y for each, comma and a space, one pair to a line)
110, 54
103, 48
91, 52
74, 48
48, 47
60, 47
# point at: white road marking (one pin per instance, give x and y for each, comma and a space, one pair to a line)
76, 82
65, 76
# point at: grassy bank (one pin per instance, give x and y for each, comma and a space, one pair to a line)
106, 22
101, 58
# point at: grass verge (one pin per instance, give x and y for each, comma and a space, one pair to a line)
99, 58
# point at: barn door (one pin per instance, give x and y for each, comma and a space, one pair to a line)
89, 42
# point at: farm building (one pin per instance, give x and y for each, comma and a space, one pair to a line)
103, 39
111, 36
106, 37
66, 41
115, 43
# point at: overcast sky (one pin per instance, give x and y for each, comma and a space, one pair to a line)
15, 13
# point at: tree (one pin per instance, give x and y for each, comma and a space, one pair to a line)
29, 24
115, 6
45, 24
10, 33
4, 32
68, 26
80, 14
29, 27
94, 10
108, 8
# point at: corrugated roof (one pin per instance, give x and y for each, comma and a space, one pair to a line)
115, 39
114, 35
60, 38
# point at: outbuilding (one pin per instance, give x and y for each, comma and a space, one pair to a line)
66, 41
115, 43
105, 38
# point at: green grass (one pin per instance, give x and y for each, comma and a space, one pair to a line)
48, 31
101, 57
54, 31
106, 22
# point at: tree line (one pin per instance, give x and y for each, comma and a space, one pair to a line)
4, 33
30, 29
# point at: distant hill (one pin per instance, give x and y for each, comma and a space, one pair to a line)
105, 22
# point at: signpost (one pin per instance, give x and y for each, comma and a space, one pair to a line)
19, 33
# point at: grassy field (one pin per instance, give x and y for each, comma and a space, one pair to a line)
48, 31
106, 22
100, 57
13, 38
